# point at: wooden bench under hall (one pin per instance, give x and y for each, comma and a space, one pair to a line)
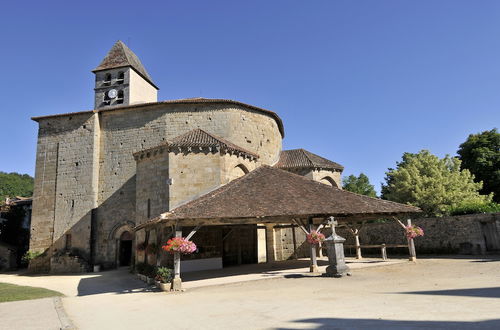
382, 247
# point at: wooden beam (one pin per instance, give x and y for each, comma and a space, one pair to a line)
188, 237
301, 226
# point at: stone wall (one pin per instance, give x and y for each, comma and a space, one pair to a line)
467, 234
63, 189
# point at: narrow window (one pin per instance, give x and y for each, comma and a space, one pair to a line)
106, 100
119, 98
149, 208
68, 241
107, 79
121, 77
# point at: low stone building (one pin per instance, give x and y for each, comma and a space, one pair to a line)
102, 172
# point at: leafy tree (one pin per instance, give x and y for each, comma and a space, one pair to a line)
480, 154
433, 184
14, 184
359, 185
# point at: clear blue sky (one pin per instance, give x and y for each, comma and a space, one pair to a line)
358, 82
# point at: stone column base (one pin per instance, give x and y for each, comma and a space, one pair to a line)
313, 269
176, 284
335, 271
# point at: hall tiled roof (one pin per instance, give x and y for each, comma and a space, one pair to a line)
300, 158
270, 192
121, 56
198, 138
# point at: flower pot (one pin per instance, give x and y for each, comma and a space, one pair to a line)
157, 284
165, 286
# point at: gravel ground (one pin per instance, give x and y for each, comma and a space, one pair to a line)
438, 293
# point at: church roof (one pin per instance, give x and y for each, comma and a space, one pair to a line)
121, 56
269, 192
300, 158
198, 138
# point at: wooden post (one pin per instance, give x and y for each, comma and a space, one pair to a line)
356, 242
176, 281
411, 245
313, 268
384, 252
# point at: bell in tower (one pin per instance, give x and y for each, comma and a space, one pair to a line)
121, 79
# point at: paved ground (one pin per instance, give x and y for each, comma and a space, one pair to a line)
458, 293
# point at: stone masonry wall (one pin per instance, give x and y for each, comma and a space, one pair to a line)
457, 234
63, 192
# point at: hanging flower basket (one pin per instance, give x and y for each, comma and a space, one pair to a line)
413, 231
152, 248
179, 244
141, 246
315, 238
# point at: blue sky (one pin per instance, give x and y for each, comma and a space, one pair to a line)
358, 82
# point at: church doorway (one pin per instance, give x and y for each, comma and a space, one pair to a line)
125, 251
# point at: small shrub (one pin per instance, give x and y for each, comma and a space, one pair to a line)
474, 208
140, 267
164, 274
30, 255
149, 270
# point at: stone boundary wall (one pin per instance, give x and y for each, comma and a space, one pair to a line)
465, 234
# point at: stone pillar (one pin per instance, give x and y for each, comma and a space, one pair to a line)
270, 243
176, 281
336, 260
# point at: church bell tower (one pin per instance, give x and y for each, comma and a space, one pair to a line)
121, 79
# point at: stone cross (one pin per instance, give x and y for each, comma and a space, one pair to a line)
332, 222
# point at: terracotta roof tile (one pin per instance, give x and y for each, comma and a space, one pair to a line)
271, 192
121, 56
198, 138
300, 158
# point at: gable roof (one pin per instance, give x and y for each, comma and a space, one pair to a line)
300, 158
121, 56
198, 138
270, 192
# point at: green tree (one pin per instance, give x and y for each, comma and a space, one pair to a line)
14, 184
359, 185
433, 184
480, 154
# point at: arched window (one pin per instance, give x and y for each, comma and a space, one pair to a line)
119, 98
107, 79
121, 77
329, 181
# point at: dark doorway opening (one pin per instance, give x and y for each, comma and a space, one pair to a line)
125, 253
239, 245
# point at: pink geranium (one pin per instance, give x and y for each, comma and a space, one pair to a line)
179, 244
315, 238
413, 231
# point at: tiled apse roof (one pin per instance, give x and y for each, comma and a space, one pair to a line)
198, 138
121, 56
272, 192
300, 158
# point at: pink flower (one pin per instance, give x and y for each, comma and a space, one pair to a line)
414, 231
179, 244
315, 238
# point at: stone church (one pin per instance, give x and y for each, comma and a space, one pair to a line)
102, 172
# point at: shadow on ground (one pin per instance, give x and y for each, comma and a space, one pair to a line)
493, 292
338, 323
115, 281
